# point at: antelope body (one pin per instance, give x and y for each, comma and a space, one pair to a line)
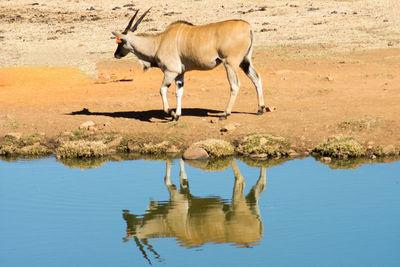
183, 47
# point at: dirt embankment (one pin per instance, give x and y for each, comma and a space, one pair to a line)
328, 67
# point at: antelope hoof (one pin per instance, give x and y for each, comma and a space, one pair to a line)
224, 117
175, 118
261, 110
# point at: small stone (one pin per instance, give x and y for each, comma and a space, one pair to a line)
326, 159
329, 78
228, 128
87, 125
194, 153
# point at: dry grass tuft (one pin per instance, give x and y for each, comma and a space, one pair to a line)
216, 148
264, 146
341, 147
81, 149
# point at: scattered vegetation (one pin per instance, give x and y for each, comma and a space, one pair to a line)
30, 145
256, 149
359, 124
14, 124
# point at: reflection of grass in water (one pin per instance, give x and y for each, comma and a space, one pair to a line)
268, 162
84, 163
219, 164
214, 164
89, 163
15, 158
354, 163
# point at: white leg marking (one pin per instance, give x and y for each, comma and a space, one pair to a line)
163, 92
179, 94
255, 78
168, 79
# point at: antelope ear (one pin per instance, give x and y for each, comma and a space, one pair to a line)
115, 34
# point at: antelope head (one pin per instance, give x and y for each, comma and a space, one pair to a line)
124, 46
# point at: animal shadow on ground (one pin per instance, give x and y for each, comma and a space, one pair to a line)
148, 115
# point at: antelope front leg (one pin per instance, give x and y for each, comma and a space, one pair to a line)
168, 79
179, 94
234, 84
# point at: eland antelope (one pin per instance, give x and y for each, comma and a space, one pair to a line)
183, 47
195, 221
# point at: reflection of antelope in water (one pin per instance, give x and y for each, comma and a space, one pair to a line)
194, 221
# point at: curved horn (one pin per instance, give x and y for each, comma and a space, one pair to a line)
130, 23
134, 28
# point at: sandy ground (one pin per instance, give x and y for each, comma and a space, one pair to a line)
327, 66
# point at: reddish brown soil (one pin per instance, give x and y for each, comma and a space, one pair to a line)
315, 97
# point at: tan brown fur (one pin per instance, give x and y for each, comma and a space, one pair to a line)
183, 47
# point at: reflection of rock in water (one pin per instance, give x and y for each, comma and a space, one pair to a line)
194, 221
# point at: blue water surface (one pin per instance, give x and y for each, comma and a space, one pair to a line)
53, 215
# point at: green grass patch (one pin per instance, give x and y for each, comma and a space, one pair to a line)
263, 144
81, 149
216, 148
341, 147
159, 148
29, 145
